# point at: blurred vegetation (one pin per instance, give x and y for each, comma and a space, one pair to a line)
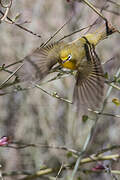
31, 116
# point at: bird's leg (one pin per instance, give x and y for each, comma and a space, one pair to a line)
109, 30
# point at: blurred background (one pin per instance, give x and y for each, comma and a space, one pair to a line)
32, 116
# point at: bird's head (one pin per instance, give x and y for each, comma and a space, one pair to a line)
67, 58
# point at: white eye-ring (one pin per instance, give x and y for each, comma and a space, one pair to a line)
69, 57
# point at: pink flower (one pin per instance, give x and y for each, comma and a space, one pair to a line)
4, 140
98, 167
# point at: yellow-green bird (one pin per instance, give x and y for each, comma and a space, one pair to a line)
77, 55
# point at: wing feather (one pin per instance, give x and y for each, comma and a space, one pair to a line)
38, 64
89, 87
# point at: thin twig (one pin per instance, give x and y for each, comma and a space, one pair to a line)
7, 6
9, 77
12, 64
60, 170
94, 9
45, 43
105, 114
39, 173
117, 4
114, 86
4, 17
116, 172
21, 27
15, 145
74, 32
110, 11
54, 94
113, 147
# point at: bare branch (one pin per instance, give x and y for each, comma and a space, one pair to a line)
44, 44
21, 27
9, 77
54, 94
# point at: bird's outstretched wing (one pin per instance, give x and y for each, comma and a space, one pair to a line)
89, 87
38, 64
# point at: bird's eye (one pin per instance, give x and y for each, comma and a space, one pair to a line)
69, 57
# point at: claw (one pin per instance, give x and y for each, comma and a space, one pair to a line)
110, 28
